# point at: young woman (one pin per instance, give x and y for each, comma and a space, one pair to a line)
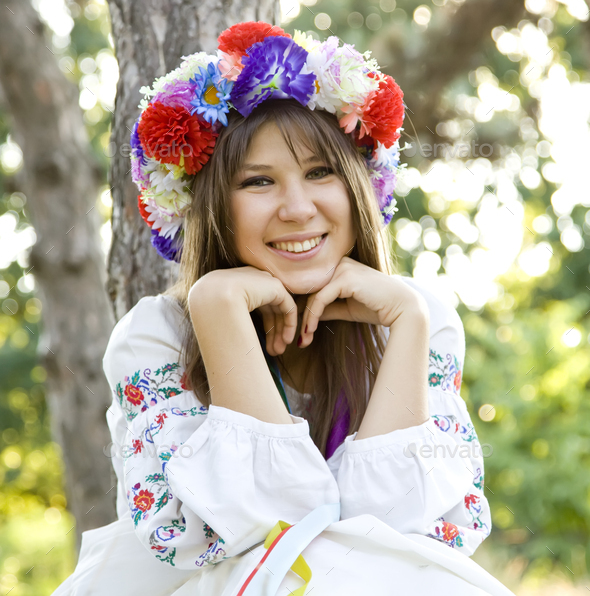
290, 371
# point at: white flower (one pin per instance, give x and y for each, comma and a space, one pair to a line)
386, 157
166, 225
189, 65
307, 42
167, 197
342, 76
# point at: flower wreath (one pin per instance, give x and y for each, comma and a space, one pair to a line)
175, 134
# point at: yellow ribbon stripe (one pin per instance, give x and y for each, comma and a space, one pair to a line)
300, 567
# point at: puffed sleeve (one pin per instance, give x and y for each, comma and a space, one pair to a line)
201, 485
426, 479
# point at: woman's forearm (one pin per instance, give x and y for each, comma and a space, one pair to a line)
400, 395
238, 375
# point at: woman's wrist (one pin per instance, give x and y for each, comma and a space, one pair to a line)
209, 296
415, 308
400, 395
237, 372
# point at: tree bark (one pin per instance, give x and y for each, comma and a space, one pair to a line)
61, 182
150, 39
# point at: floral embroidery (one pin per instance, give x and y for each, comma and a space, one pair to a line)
133, 395
163, 534
209, 531
144, 499
448, 533
142, 391
444, 372
212, 555
450, 424
149, 496
194, 411
474, 507
478, 480
185, 382
137, 446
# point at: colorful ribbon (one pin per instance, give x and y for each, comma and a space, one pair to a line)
284, 545
300, 567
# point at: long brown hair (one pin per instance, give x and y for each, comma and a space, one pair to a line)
355, 349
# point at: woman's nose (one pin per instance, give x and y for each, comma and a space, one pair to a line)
297, 203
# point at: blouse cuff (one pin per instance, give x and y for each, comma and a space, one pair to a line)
395, 437
299, 428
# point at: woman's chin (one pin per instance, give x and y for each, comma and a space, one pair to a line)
307, 283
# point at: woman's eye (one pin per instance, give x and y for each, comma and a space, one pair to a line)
254, 182
323, 171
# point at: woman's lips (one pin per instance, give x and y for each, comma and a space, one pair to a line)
300, 256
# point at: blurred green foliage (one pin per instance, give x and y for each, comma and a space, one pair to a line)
526, 379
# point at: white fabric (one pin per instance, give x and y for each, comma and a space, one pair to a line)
199, 490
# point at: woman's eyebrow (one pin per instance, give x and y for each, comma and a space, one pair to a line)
261, 166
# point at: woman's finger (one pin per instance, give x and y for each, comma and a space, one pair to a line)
318, 303
290, 326
278, 331
268, 322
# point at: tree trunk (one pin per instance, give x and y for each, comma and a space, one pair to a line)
61, 182
150, 39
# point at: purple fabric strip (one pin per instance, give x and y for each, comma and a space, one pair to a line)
339, 430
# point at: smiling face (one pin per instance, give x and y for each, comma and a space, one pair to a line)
274, 199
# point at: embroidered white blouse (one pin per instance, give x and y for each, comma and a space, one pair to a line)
200, 487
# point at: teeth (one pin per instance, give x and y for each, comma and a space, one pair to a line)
297, 246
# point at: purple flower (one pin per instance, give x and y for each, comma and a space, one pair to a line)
138, 159
383, 180
386, 213
273, 67
136, 148
176, 93
168, 248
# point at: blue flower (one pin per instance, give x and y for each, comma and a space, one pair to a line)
211, 94
168, 248
272, 68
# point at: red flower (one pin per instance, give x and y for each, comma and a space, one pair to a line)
365, 142
383, 112
457, 381
171, 135
133, 394
470, 500
137, 446
238, 38
144, 500
142, 211
449, 531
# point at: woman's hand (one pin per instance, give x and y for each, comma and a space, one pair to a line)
366, 296
256, 289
